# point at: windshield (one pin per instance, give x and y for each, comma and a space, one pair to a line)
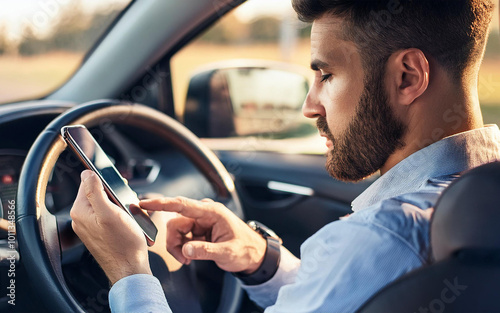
43, 42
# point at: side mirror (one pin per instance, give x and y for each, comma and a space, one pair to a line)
248, 100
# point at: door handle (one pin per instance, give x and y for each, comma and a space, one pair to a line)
290, 188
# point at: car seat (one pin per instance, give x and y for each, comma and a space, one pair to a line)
464, 275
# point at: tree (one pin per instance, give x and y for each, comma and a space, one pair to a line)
4, 42
31, 44
73, 31
265, 29
493, 46
229, 30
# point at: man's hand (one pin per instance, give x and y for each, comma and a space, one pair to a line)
111, 235
206, 230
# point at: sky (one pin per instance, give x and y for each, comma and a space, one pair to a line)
257, 8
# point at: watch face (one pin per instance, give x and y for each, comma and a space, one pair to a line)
263, 230
253, 225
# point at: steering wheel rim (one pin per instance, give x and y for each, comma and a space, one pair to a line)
37, 229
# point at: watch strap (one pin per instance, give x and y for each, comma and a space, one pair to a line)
268, 267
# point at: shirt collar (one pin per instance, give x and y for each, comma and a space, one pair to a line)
450, 155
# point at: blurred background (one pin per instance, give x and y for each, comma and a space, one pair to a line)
43, 42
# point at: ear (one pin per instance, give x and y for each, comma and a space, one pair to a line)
409, 75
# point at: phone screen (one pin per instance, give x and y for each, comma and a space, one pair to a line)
94, 158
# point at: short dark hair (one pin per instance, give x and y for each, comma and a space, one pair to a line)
451, 31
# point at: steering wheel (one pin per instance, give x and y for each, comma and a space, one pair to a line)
40, 236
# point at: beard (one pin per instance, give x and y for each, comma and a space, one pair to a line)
371, 137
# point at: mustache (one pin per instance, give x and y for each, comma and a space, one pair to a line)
322, 126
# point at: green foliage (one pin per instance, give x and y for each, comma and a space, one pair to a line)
491, 113
74, 31
218, 34
3, 41
266, 29
232, 30
31, 44
305, 32
493, 46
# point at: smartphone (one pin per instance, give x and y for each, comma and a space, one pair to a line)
83, 144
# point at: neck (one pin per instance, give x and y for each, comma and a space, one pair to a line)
437, 115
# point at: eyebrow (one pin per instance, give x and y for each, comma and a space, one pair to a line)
316, 65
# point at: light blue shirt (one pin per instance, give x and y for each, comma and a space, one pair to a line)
348, 261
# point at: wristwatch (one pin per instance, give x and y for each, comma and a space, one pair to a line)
271, 261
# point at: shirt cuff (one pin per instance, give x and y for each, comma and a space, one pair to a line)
138, 293
266, 293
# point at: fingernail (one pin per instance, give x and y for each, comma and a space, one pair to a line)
86, 175
189, 250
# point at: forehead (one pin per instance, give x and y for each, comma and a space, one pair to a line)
328, 42
328, 24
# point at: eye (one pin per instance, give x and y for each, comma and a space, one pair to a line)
325, 77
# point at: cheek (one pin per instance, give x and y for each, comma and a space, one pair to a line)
341, 98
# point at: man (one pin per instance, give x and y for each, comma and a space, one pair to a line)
395, 91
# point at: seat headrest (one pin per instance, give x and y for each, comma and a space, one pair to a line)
467, 215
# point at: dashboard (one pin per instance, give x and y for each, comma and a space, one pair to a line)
61, 189
149, 164
11, 162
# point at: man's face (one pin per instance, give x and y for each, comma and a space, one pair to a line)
352, 108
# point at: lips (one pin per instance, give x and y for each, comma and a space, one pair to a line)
324, 131
328, 143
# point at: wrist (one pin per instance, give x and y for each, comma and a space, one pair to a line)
267, 268
268, 263
256, 255
121, 271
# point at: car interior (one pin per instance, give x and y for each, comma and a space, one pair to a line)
463, 275
124, 92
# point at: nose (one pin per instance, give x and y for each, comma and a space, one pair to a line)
312, 107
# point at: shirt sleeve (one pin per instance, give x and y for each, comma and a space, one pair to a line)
266, 294
342, 266
138, 293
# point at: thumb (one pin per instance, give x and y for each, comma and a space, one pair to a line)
94, 191
202, 250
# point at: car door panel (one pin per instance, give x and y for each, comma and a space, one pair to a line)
294, 214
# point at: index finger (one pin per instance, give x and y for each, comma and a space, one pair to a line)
184, 206
81, 206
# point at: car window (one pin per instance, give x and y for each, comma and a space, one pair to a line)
260, 29
489, 75
265, 116
43, 42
